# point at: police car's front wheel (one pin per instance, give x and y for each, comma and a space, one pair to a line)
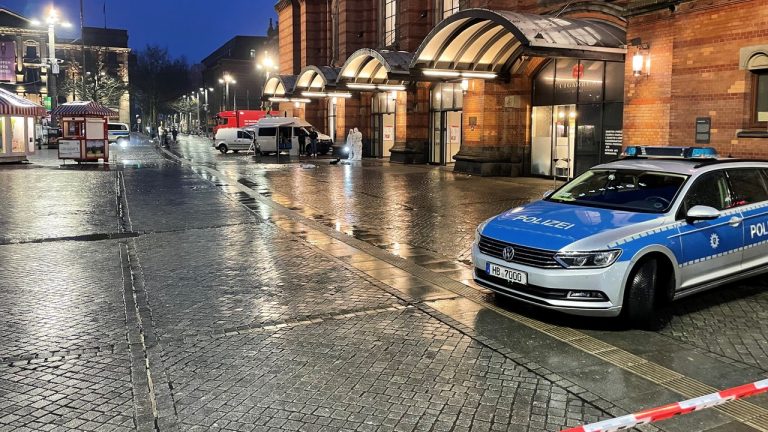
645, 304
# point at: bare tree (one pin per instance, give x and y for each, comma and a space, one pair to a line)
186, 107
102, 85
157, 81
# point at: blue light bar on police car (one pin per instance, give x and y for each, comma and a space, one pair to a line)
671, 152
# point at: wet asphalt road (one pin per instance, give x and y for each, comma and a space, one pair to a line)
233, 293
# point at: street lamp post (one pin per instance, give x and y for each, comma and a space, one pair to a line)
52, 20
267, 65
205, 106
227, 80
197, 108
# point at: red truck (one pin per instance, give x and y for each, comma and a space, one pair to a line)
239, 118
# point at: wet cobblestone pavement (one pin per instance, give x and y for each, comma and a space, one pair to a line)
221, 294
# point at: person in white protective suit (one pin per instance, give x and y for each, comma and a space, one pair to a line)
350, 144
358, 145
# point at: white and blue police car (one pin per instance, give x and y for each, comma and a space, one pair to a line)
629, 236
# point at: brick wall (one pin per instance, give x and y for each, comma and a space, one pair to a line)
695, 73
357, 26
314, 33
316, 113
288, 37
502, 115
415, 20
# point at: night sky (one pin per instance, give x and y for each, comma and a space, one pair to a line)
193, 28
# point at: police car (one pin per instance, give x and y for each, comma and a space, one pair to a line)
629, 236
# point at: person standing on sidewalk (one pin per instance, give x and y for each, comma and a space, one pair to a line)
313, 142
302, 141
175, 133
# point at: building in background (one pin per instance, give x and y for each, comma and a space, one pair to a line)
238, 59
106, 57
24, 47
513, 87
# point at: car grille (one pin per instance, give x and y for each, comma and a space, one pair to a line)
523, 255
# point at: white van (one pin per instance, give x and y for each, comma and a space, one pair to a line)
270, 131
234, 139
118, 133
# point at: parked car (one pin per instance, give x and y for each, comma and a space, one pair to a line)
630, 236
118, 133
234, 139
270, 131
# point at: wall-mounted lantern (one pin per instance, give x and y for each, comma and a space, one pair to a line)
641, 59
464, 86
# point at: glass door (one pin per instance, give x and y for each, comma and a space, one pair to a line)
387, 133
436, 143
588, 137
563, 143
452, 135
375, 149
541, 141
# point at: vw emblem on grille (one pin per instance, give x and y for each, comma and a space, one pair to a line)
508, 253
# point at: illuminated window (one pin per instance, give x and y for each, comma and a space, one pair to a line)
449, 7
390, 22
74, 129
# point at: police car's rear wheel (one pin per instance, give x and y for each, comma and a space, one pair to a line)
642, 307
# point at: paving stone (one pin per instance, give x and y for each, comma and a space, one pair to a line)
229, 277
98, 394
343, 360
60, 296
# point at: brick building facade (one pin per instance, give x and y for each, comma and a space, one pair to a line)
520, 87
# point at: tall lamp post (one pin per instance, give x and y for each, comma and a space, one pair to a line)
197, 109
52, 20
267, 65
226, 80
205, 91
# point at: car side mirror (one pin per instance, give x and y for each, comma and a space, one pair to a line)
548, 193
701, 212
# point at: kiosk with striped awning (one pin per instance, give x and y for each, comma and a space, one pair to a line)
17, 126
84, 131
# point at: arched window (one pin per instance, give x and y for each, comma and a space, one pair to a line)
758, 65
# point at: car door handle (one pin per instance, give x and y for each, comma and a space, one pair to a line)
735, 221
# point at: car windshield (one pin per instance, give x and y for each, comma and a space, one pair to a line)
631, 190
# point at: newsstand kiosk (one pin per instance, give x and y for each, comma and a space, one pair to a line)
84, 131
17, 126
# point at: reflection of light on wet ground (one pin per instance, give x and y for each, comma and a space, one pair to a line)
382, 203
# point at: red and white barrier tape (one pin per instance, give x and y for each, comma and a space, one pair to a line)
674, 409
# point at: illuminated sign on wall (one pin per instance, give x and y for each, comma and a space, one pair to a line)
8, 61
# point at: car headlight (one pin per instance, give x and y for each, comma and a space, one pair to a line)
597, 259
346, 149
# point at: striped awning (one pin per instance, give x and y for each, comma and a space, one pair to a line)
81, 108
13, 104
482, 42
371, 67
